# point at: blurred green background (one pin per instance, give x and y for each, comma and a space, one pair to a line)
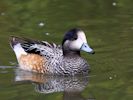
108, 25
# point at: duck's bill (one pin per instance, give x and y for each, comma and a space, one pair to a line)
85, 47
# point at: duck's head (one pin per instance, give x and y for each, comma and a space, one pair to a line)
75, 41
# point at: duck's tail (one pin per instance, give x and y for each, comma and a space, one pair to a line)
15, 43
17, 40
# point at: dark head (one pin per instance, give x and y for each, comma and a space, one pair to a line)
75, 41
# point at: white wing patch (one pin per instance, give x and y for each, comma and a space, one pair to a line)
19, 50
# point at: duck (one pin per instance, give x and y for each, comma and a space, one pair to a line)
52, 59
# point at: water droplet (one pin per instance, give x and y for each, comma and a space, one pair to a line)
110, 78
2, 14
41, 24
47, 33
114, 3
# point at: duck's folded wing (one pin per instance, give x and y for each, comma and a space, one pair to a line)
43, 48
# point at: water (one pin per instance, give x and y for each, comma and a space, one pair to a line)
108, 26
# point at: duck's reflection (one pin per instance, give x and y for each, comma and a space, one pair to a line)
70, 86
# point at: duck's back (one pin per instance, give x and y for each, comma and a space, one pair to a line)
36, 56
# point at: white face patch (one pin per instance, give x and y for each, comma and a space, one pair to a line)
19, 50
76, 44
82, 36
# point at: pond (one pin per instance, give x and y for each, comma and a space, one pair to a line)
108, 25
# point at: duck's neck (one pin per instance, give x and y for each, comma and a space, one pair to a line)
71, 53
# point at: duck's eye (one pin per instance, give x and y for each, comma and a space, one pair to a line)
75, 38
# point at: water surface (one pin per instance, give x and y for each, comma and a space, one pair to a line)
108, 25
